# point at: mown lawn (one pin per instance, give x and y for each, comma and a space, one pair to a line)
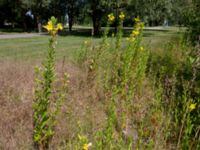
31, 49
35, 48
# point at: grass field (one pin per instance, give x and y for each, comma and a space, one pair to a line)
35, 48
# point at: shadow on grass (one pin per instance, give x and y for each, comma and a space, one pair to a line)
10, 30
82, 32
76, 32
16, 30
87, 32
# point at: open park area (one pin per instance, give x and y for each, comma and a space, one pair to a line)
100, 75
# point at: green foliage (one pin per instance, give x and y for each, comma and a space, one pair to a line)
192, 21
177, 73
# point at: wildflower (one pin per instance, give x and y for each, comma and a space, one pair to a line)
192, 107
135, 33
52, 26
111, 17
49, 26
59, 26
86, 146
121, 16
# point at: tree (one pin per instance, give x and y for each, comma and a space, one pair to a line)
71, 6
11, 11
40, 8
96, 9
192, 21
152, 12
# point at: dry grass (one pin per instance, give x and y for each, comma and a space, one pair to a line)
16, 90
16, 95
83, 111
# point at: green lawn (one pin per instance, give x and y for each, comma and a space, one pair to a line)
33, 49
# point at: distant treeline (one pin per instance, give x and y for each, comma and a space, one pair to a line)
94, 12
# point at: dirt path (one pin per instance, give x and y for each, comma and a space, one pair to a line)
19, 35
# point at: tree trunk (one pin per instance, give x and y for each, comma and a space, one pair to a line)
71, 15
96, 18
70, 23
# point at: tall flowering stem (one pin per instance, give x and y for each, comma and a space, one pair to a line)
43, 116
111, 19
119, 30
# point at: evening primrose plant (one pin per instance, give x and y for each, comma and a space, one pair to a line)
45, 108
122, 77
116, 72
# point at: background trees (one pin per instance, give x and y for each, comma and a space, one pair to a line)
152, 12
192, 21
11, 11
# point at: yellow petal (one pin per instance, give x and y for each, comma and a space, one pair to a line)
59, 26
121, 16
49, 26
192, 107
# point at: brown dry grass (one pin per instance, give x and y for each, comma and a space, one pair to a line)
83, 111
16, 90
16, 95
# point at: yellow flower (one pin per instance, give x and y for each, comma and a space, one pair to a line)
111, 17
49, 26
192, 107
52, 26
59, 26
135, 33
141, 48
122, 16
86, 146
